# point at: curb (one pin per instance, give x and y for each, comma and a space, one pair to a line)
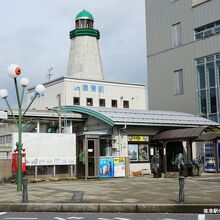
107, 207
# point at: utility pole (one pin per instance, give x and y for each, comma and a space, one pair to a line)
59, 112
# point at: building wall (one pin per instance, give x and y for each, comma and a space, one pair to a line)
69, 88
163, 59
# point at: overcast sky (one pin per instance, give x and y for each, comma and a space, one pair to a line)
35, 35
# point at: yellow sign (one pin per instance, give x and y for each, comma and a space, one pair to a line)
138, 138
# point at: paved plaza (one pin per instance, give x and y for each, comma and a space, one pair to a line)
135, 190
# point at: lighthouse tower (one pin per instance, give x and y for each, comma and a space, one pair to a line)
84, 57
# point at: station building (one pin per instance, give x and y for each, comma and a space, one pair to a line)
113, 132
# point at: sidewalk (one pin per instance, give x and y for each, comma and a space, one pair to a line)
125, 191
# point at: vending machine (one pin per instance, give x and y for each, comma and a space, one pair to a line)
218, 157
209, 157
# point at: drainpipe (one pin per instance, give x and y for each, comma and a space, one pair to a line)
120, 138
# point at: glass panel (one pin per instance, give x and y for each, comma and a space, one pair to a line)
203, 101
213, 100
213, 117
179, 82
201, 76
143, 152
133, 152
211, 74
218, 70
176, 34
200, 60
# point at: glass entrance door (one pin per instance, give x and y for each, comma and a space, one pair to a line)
91, 158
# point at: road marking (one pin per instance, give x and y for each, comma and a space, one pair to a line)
75, 218
2, 213
122, 218
201, 217
58, 218
104, 219
21, 218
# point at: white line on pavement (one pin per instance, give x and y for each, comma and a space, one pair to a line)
16, 218
2, 213
75, 218
58, 218
122, 218
201, 217
104, 219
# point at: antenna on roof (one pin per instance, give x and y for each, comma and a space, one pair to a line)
49, 74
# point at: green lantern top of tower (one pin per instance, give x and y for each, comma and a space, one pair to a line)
84, 15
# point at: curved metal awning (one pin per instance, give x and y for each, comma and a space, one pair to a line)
90, 112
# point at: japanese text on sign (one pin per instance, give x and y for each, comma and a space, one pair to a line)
138, 138
87, 88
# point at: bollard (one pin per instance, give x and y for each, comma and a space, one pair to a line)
181, 189
25, 190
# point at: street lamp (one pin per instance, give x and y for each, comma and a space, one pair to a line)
14, 71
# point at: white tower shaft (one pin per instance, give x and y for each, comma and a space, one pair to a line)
84, 59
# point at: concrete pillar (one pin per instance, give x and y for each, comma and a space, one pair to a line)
71, 170
164, 157
35, 172
38, 126
54, 170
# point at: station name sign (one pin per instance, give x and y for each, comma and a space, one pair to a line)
138, 138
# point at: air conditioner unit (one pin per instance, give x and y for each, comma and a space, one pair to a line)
208, 32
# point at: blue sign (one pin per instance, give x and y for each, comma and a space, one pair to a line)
101, 89
77, 88
93, 88
85, 87
106, 168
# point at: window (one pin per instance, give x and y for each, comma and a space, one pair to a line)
208, 75
198, 2
207, 30
89, 102
138, 152
176, 35
178, 80
125, 104
114, 103
76, 101
102, 102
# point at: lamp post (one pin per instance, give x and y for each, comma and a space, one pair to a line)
14, 71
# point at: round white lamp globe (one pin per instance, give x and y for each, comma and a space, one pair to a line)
3, 93
39, 89
24, 82
14, 70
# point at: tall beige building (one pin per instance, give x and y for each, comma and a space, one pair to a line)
183, 53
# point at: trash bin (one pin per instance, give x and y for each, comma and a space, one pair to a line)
77, 197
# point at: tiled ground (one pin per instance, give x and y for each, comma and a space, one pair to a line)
143, 189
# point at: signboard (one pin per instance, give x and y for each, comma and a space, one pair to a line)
119, 167
48, 148
106, 167
138, 138
91, 88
